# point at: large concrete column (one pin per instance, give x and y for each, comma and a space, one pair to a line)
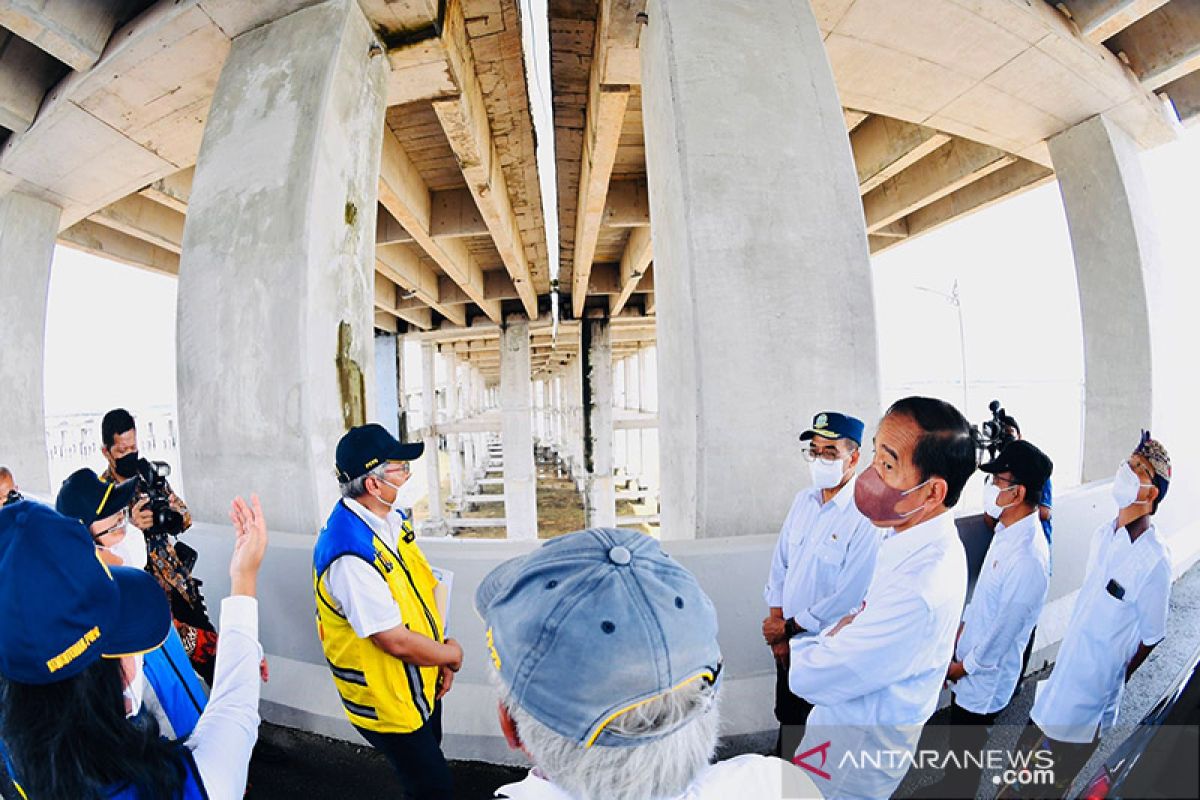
756, 214
520, 471
275, 290
435, 524
453, 415
1111, 224
387, 383
595, 349
28, 227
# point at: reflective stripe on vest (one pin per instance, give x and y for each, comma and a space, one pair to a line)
379, 692
176, 685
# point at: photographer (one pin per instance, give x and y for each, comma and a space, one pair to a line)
151, 513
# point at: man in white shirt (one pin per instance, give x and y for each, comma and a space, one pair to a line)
1120, 615
1006, 603
605, 656
874, 677
823, 561
377, 617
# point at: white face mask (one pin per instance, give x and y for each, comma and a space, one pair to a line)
991, 493
1127, 485
407, 494
827, 474
132, 549
135, 690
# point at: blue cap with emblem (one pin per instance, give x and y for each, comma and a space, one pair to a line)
365, 447
832, 425
593, 624
63, 608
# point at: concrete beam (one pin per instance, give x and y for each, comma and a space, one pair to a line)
172, 191
465, 121
1005, 182
99, 240
853, 118
399, 264
1184, 95
73, 31
627, 204
386, 322
950, 167
1099, 20
144, 219
600, 503
883, 147
26, 73
634, 263
404, 194
496, 286
454, 214
1162, 46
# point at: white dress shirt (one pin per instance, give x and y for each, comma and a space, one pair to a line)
1084, 690
824, 559
875, 682
356, 588
748, 776
228, 727
1008, 599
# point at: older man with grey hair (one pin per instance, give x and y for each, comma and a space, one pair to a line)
377, 616
604, 652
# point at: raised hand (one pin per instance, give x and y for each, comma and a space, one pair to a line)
251, 544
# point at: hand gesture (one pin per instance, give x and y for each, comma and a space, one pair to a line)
774, 630
445, 681
456, 664
251, 544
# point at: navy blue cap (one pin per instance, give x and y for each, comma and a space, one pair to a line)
87, 498
1026, 463
367, 446
63, 608
593, 624
832, 425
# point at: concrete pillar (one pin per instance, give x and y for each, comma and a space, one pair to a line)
595, 349
633, 436
387, 383
648, 365
275, 283
436, 524
28, 227
520, 471
1111, 224
754, 209
453, 415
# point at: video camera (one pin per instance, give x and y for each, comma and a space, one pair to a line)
152, 482
995, 434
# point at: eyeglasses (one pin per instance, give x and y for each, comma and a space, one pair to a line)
118, 527
991, 481
399, 466
827, 454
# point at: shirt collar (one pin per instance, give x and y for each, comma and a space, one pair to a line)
534, 787
899, 546
1022, 529
386, 528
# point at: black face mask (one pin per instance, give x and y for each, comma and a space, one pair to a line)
13, 497
127, 465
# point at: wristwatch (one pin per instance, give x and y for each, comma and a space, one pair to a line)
791, 628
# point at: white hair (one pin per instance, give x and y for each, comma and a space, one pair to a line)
661, 768
358, 487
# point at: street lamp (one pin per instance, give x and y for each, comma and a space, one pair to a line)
955, 300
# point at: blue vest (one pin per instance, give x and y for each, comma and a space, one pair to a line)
179, 690
193, 787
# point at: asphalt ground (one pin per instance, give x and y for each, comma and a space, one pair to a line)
292, 764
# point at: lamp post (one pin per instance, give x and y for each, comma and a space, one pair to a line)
955, 300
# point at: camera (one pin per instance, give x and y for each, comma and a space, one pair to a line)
13, 497
995, 434
152, 482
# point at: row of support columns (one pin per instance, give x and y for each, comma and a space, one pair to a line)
750, 224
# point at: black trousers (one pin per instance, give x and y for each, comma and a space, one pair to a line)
1068, 759
790, 710
417, 758
969, 735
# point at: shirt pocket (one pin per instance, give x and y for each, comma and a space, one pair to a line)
829, 557
1110, 615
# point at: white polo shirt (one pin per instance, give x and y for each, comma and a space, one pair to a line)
875, 682
1084, 691
1008, 599
824, 559
748, 776
356, 588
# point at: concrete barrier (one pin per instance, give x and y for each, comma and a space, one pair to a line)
732, 570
